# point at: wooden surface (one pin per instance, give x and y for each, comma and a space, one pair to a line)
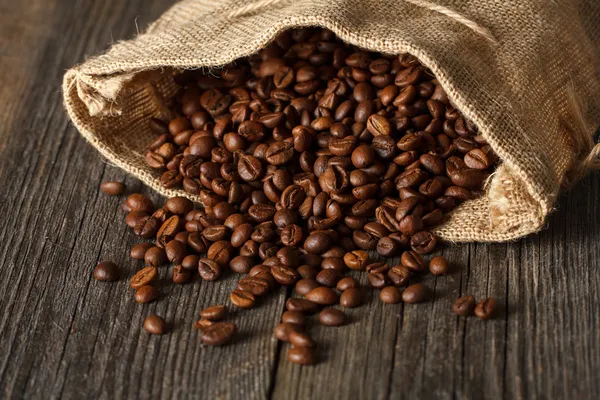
64, 335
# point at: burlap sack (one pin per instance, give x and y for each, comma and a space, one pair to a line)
524, 71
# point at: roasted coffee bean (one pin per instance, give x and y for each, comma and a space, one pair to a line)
255, 285
390, 295
209, 270
180, 275
332, 317
317, 243
486, 308
133, 217
202, 324
291, 235
179, 205
242, 264
302, 305
387, 247
307, 271
413, 261
289, 256
113, 188
323, 296
218, 334
328, 277
242, 299
378, 280
241, 234
439, 266
155, 256
416, 293
464, 306
301, 339
214, 313
293, 317
302, 356
285, 217
399, 275
139, 250
346, 283
143, 277
146, 294
155, 325
423, 242
106, 271
284, 275
335, 263
146, 227
351, 298
139, 202
176, 251
305, 285
250, 168
364, 240
221, 252
356, 259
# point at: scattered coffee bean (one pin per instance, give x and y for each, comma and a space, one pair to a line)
155, 325
346, 283
113, 188
486, 308
283, 330
218, 334
302, 305
106, 271
146, 294
214, 313
242, 299
300, 339
351, 298
144, 277
332, 317
439, 266
323, 296
416, 293
302, 356
390, 295
464, 306
293, 317
202, 324
303, 286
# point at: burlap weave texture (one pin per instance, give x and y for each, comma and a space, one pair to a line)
524, 71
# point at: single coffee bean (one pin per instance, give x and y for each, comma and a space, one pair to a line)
399, 275
305, 285
202, 324
139, 202
214, 313
155, 256
284, 275
439, 266
464, 306
218, 334
180, 275
356, 259
413, 261
139, 250
323, 296
302, 305
209, 270
220, 252
113, 188
255, 285
146, 294
302, 356
293, 317
387, 247
351, 298
242, 299
155, 325
390, 295
332, 317
106, 271
423, 242
317, 243
328, 277
300, 339
179, 205
175, 251
346, 283
144, 277
416, 293
242, 264
133, 217
486, 308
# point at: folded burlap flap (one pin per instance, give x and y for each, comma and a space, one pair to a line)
524, 71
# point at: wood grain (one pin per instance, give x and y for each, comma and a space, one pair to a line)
64, 335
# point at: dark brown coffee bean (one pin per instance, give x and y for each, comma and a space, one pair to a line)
416, 293
364, 240
139, 250
292, 197
214, 313
423, 242
413, 261
399, 275
155, 256
439, 266
133, 217
284, 275
300, 339
293, 317
155, 325
143, 277
291, 235
347, 283
242, 299
113, 188
218, 334
146, 227
317, 243
464, 306
302, 305
390, 295
305, 285
289, 256
323, 296
146, 294
328, 277
209, 270
285, 217
106, 271
255, 285
283, 330
332, 317
176, 251
387, 247
250, 168
221, 252
242, 264
356, 259
351, 298
486, 308
302, 356
279, 153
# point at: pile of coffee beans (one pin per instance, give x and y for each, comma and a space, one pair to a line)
308, 158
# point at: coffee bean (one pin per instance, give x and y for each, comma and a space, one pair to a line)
317, 243
351, 298
139, 250
214, 313
255, 285
146, 294
283, 330
387, 247
289, 256
202, 324
328, 277
293, 317
323, 296
139, 202
416, 293
113, 188
486, 308
155, 325
356, 259
106, 271
346, 283
439, 266
302, 305
399, 275
284, 275
413, 261
209, 270
242, 299
175, 251
250, 168
143, 277
390, 295
332, 317
302, 356
218, 334
220, 252
300, 339
423, 242
464, 306
155, 256
305, 285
